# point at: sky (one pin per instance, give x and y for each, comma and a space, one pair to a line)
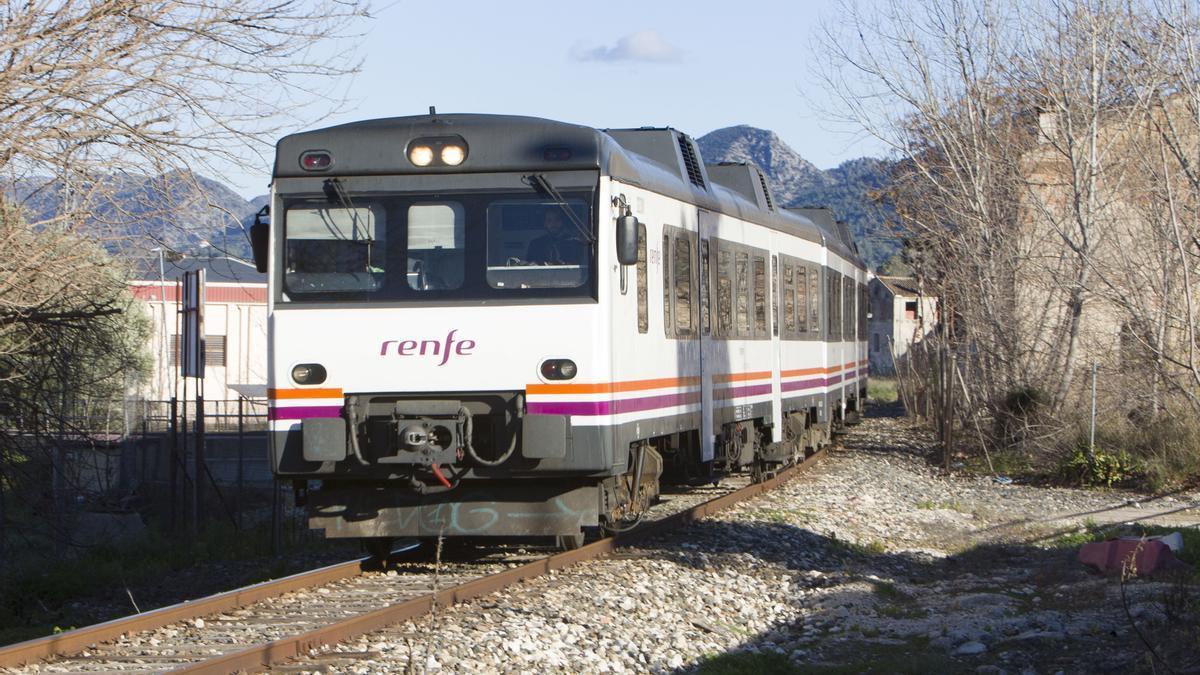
695, 66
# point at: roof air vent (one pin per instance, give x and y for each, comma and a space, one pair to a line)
691, 162
766, 190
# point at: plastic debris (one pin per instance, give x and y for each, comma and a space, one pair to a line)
1174, 541
1003, 480
1140, 556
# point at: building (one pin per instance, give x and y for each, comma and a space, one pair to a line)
235, 327
900, 316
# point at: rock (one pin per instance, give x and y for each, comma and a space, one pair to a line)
970, 649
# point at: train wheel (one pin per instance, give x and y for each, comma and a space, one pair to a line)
569, 542
378, 547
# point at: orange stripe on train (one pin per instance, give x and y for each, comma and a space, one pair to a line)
612, 387
303, 393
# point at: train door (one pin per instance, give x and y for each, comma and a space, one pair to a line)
709, 356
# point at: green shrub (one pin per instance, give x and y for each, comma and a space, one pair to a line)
1102, 468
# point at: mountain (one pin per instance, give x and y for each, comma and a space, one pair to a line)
797, 182
182, 210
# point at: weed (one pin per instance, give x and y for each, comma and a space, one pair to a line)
1103, 467
782, 516
747, 663
882, 390
930, 505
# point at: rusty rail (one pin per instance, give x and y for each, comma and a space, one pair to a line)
74, 641
271, 653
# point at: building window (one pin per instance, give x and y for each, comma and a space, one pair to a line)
214, 350
643, 314
910, 309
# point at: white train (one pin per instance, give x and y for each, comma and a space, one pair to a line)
488, 325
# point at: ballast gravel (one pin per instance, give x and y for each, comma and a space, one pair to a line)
872, 560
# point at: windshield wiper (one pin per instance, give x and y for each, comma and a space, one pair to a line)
540, 182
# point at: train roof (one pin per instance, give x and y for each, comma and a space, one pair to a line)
662, 160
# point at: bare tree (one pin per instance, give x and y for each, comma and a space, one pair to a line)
1049, 153
95, 94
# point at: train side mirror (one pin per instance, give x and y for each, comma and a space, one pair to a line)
627, 240
260, 238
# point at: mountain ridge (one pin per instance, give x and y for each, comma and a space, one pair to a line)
845, 189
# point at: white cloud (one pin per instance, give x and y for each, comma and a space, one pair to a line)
646, 45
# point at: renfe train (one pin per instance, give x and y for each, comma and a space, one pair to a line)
489, 326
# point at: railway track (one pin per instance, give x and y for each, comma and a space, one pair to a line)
271, 622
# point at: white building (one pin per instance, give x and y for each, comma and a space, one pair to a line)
235, 328
900, 317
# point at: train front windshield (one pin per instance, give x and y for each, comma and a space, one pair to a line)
426, 247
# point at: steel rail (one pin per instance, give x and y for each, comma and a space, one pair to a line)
74, 641
267, 654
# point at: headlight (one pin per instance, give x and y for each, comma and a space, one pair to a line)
421, 155
308, 373
559, 369
453, 155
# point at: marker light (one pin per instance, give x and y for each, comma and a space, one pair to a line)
309, 373
559, 369
453, 155
421, 155
315, 160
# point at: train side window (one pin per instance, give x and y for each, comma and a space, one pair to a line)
741, 267
666, 268
814, 301
802, 323
683, 286
789, 299
864, 304
724, 294
705, 274
774, 295
643, 314
760, 296
848, 315
835, 302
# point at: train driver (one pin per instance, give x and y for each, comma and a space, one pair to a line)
556, 246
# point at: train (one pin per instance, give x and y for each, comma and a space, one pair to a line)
500, 326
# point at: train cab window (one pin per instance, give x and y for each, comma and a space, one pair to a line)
334, 248
537, 244
774, 294
436, 246
724, 293
742, 303
760, 296
666, 269
683, 287
705, 272
643, 314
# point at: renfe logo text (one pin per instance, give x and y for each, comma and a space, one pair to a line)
443, 348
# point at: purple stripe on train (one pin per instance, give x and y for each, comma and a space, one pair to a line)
738, 392
612, 407
804, 384
304, 412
